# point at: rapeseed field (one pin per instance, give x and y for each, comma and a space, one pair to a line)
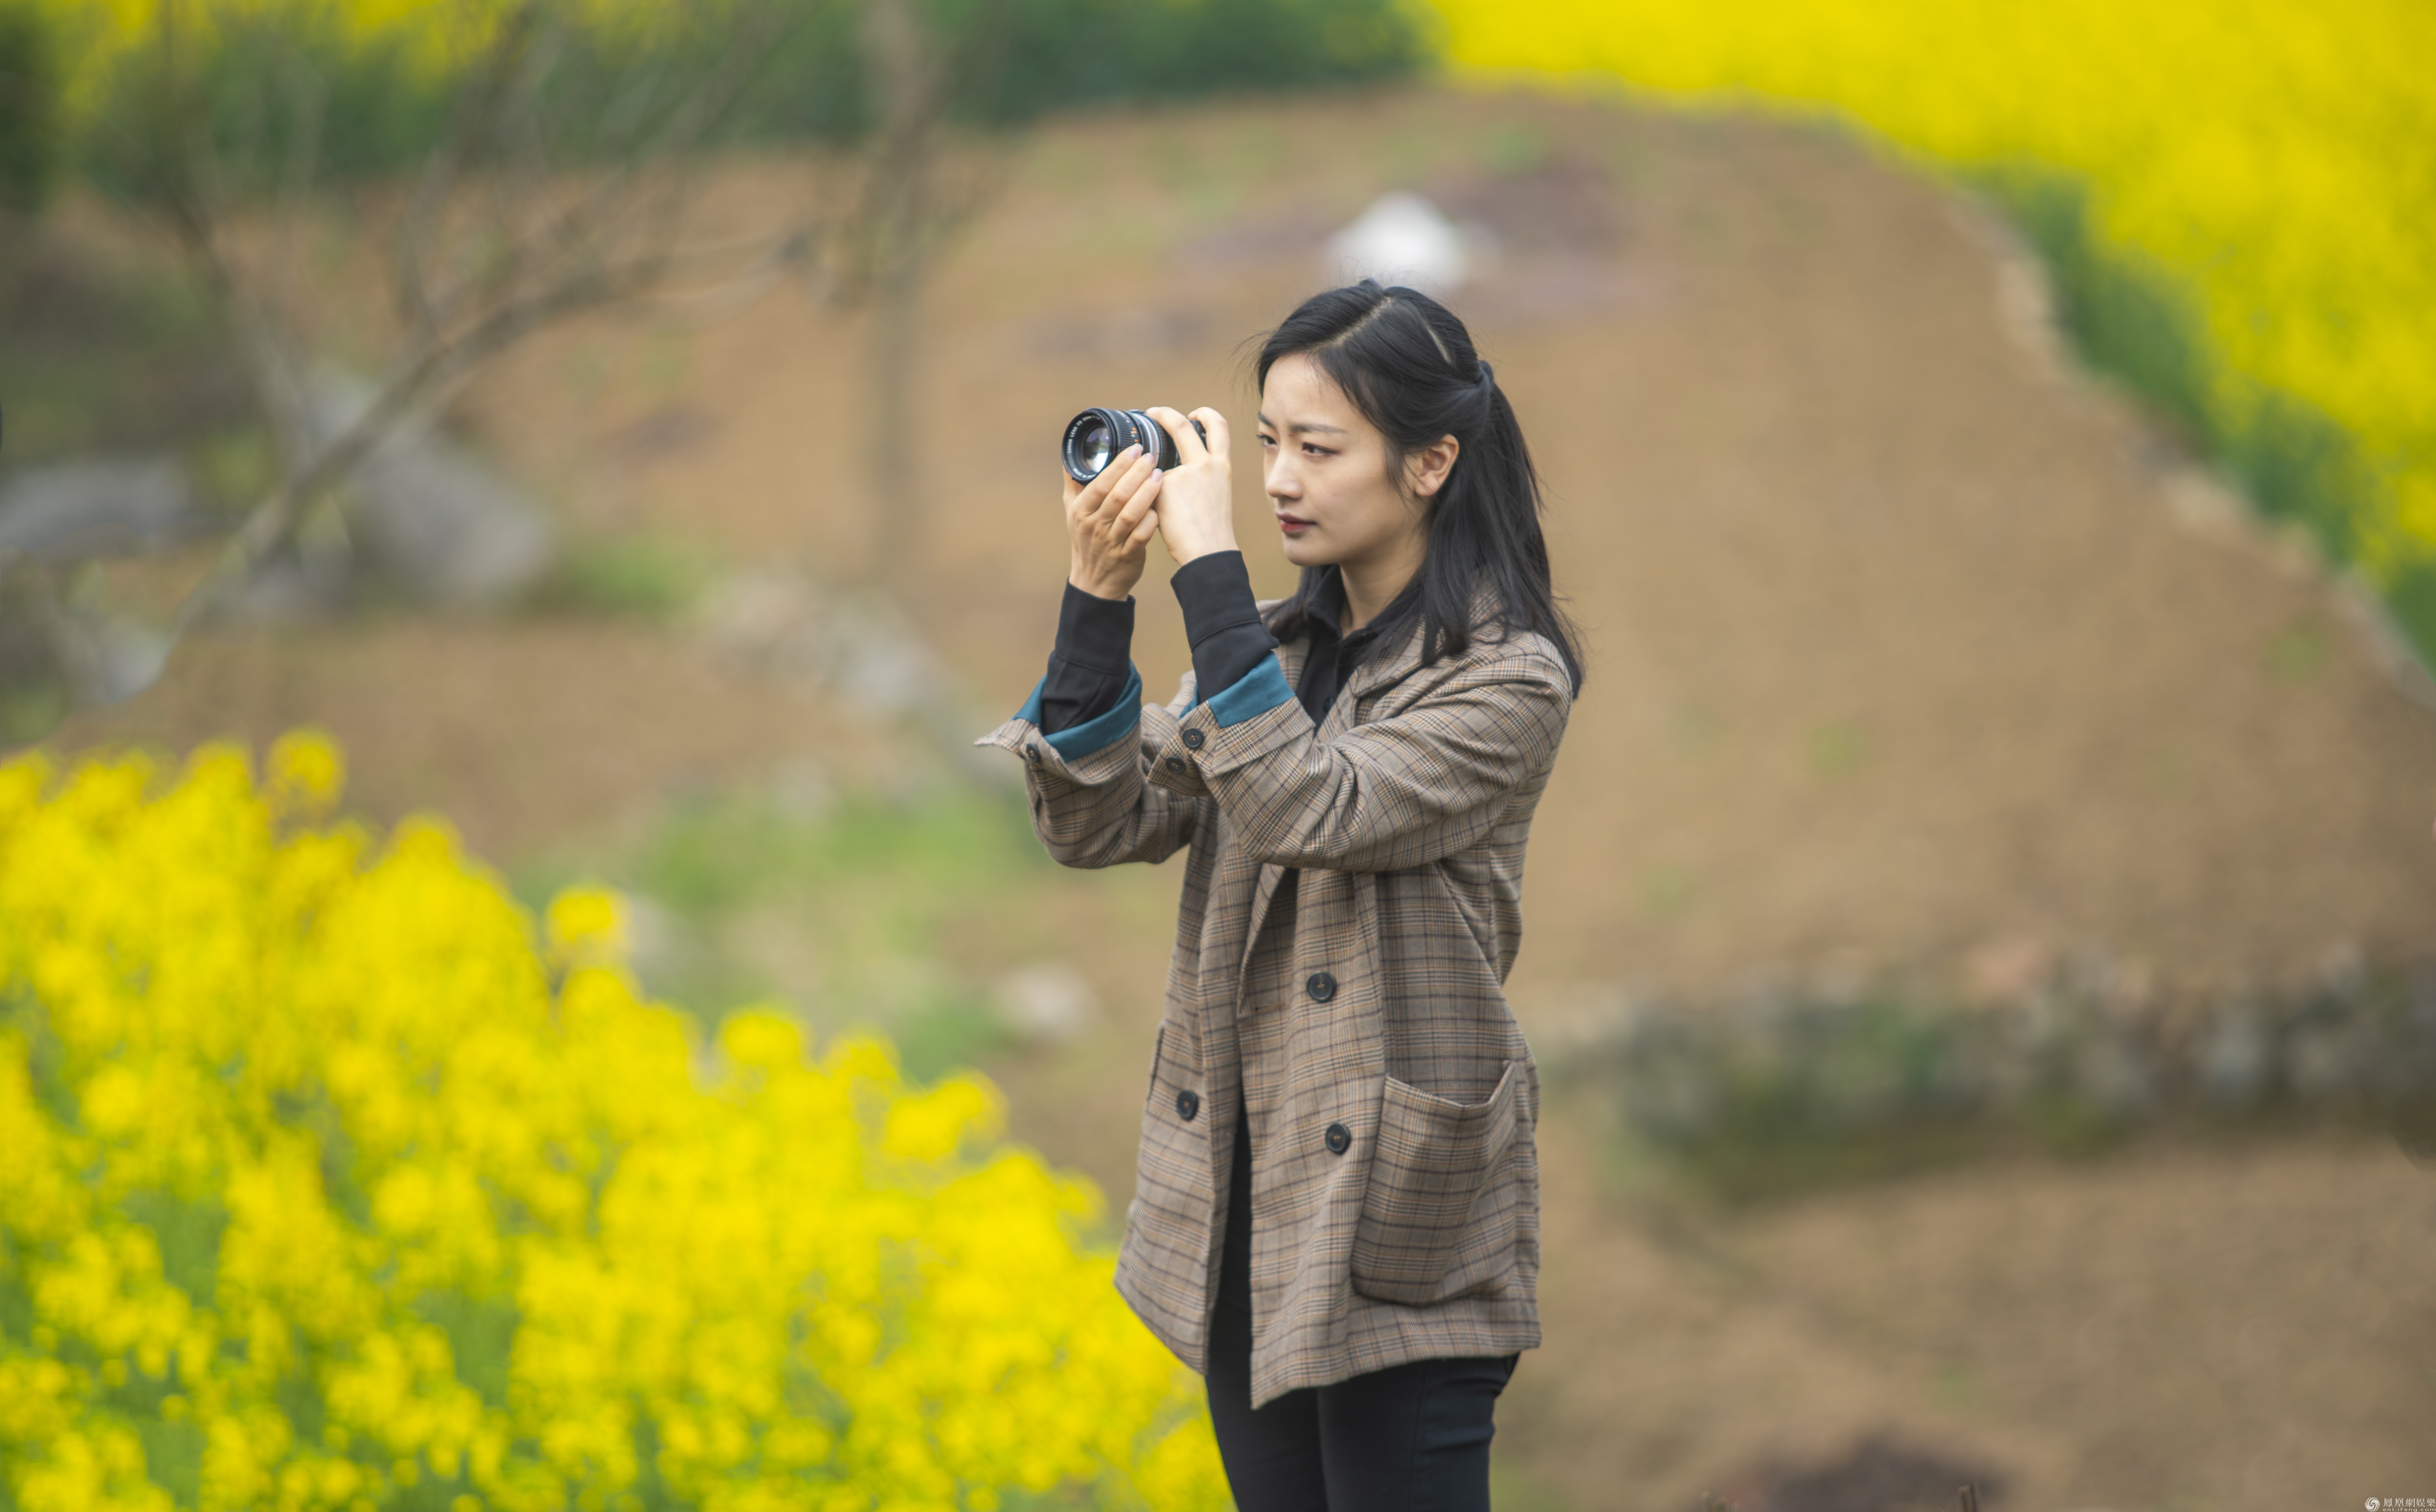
333, 1179
2276, 159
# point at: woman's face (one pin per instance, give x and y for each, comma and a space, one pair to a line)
1326, 473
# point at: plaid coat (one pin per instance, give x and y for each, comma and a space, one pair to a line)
1395, 1182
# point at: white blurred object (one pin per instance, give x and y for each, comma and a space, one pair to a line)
101, 506
1048, 999
1401, 238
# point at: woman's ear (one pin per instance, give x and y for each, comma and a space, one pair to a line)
1425, 471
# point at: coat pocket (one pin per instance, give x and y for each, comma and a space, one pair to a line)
1426, 1235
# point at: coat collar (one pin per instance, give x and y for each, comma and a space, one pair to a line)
1328, 608
1390, 662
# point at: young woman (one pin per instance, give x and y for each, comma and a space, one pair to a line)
1336, 1217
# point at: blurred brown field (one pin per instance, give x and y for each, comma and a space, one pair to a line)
1910, 649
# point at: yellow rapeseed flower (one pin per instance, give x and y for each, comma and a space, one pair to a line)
308, 772
586, 924
2275, 156
336, 1185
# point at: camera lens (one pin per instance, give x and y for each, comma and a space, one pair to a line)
1090, 441
1094, 437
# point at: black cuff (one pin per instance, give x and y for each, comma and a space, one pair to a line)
1221, 619
1088, 670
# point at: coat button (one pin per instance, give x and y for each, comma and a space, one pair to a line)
1193, 739
1321, 986
1175, 763
1188, 1104
1340, 1138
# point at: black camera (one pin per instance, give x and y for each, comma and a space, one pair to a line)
1094, 437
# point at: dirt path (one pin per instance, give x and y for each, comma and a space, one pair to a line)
519, 733
2179, 1326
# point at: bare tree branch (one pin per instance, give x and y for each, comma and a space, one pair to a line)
475, 114
907, 211
536, 241
549, 191
404, 388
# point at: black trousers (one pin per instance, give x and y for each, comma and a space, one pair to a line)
1410, 1439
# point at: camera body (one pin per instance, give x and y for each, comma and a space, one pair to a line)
1095, 437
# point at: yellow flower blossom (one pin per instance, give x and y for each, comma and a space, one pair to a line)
307, 772
327, 1166
586, 924
2275, 157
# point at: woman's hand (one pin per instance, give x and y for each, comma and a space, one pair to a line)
1109, 522
1197, 512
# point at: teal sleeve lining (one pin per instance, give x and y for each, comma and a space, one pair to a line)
1099, 732
1252, 695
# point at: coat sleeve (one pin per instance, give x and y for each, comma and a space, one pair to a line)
1091, 802
1430, 781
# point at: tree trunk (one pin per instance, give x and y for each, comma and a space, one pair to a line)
905, 69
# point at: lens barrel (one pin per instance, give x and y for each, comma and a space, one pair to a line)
1095, 437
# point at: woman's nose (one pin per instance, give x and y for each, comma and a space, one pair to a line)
1280, 483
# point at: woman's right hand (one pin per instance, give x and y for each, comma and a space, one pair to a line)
1109, 522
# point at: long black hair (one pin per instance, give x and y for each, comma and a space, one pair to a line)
1409, 366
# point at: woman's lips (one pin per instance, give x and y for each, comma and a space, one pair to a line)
1291, 525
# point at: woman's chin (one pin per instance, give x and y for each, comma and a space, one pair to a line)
1304, 552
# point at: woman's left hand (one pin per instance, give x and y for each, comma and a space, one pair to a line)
1196, 502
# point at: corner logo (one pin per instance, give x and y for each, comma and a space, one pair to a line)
2372, 1504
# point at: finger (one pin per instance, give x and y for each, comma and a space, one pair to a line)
1143, 531
1187, 441
1133, 477
1137, 503
1215, 423
1073, 491
1145, 496
1100, 487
